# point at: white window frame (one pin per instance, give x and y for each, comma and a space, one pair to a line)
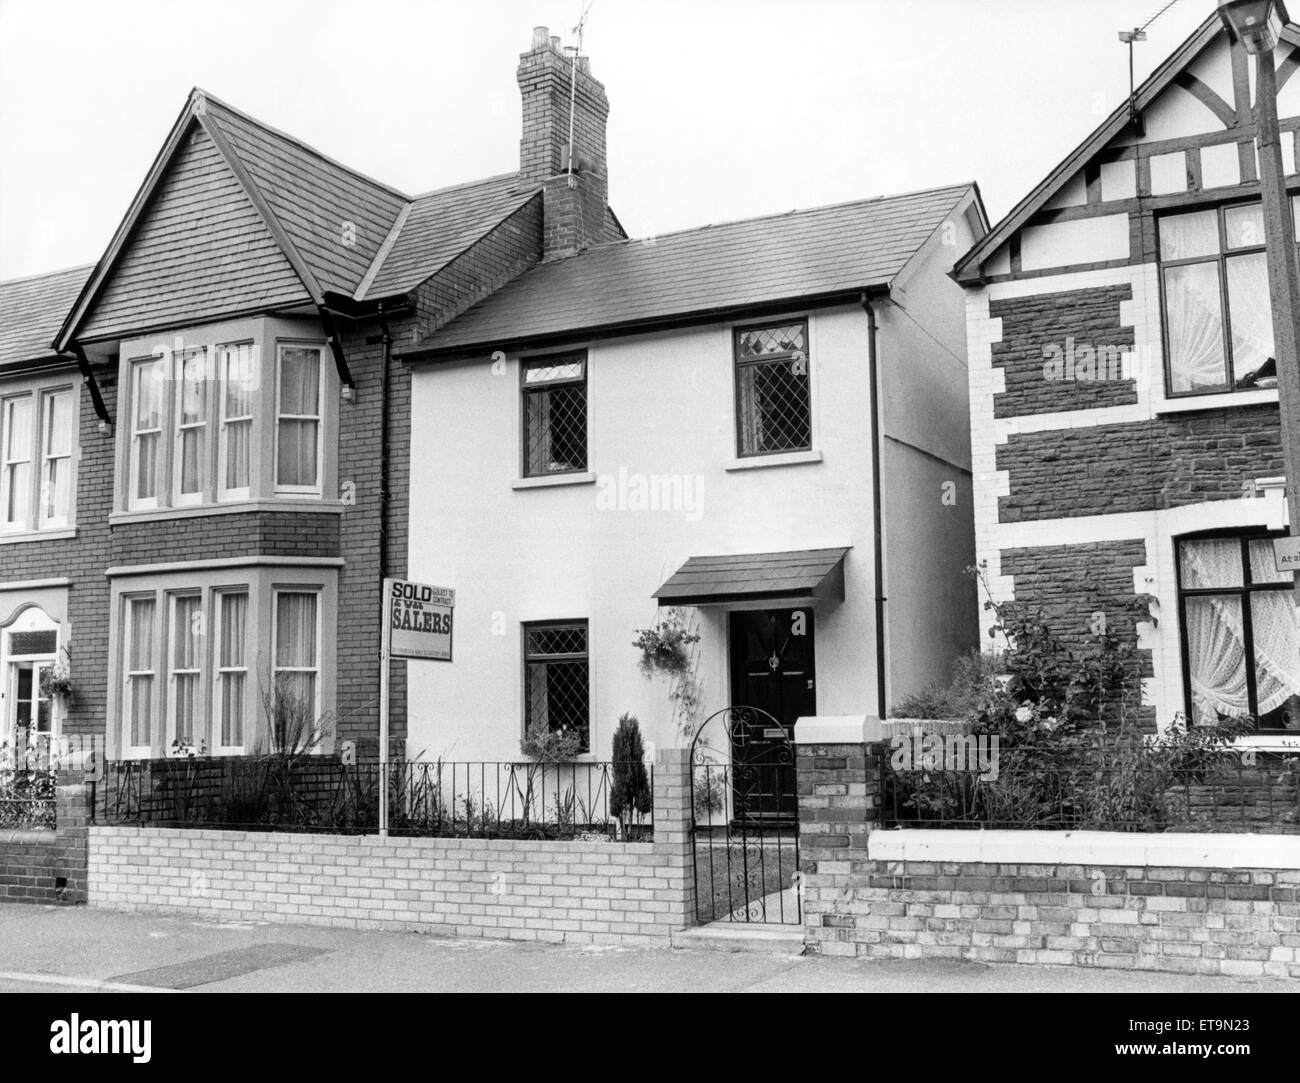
133, 501
181, 427
65, 459
197, 737
40, 396
276, 669
228, 353
10, 460
318, 417
128, 698
221, 671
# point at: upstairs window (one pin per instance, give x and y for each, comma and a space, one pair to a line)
235, 364
191, 427
1218, 319
773, 401
557, 679
298, 422
555, 415
37, 441
226, 422
1240, 637
146, 432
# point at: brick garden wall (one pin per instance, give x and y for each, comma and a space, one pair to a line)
1155, 902
565, 892
47, 866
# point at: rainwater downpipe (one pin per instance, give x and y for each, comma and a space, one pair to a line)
878, 540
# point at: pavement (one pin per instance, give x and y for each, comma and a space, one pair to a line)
79, 949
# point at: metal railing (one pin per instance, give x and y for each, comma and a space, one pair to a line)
27, 799
528, 800
1099, 790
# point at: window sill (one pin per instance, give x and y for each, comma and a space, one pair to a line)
756, 462
547, 481
19, 536
1224, 401
325, 507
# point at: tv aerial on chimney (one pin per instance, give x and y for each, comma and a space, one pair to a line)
573, 91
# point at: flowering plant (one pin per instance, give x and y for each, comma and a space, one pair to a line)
56, 681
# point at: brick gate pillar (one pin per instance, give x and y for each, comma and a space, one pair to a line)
673, 839
838, 782
72, 814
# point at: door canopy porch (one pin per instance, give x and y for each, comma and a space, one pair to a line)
800, 575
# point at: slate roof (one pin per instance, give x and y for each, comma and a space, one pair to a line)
31, 310
788, 257
753, 575
344, 233
438, 226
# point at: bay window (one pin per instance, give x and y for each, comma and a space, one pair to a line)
235, 413
37, 461
223, 660
1240, 639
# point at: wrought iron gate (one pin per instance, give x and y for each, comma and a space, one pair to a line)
745, 819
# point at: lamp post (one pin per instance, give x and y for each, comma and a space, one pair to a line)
1257, 24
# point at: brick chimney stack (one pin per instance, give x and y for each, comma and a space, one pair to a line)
574, 206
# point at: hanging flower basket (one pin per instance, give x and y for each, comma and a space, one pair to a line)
56, 682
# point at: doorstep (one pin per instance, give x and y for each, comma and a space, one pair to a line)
756, 937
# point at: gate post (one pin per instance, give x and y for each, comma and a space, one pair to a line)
838, 765
673, 825
73, 812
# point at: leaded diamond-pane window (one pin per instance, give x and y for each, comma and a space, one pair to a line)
557, 678
773, 406
555, 415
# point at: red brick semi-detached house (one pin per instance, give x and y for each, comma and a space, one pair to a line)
205, 435
1124, 406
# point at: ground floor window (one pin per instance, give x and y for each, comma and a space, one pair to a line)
224, 662
1240, 641
557, 678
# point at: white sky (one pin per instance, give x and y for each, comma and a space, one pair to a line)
719, 108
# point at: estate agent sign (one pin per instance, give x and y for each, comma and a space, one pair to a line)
417, 624
419, 620
1287, 553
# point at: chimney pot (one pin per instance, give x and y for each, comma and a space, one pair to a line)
555, 42
541, 35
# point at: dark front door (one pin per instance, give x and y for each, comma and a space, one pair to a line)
772, 669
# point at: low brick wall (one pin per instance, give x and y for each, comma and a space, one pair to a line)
45, 866
571, 892
1188, 903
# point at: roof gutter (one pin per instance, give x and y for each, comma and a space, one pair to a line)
877, 502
